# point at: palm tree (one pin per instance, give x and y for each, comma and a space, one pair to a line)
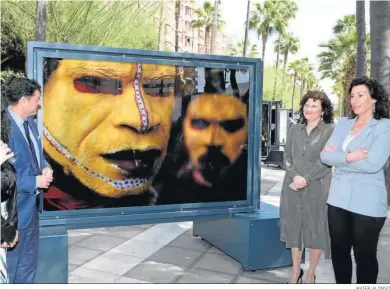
361, 44
238, 49
248, 9
254, 51
177, 23
40, 26
380, 41
380, 54
160, 42
109, 23
294, 67
311, 80
288, 45
339, 91
304, 72
286, 10
346, 25
338, 62
263, 22
302, 69
204, 20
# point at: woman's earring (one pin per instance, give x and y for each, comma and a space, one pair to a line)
373, 106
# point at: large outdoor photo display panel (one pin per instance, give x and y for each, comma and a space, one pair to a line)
126, 134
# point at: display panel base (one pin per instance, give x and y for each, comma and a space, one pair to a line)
251, 239
275, 157
53, 255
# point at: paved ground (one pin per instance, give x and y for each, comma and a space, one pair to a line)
168, 253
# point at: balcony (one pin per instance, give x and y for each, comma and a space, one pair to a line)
188, 11
187, 42
188, 28
200, 48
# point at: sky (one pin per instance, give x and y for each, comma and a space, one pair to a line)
312, 25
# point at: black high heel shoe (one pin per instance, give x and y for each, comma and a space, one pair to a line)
300, 277
314, 279
299, 280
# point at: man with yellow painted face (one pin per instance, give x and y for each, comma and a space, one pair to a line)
210, 161
106, 127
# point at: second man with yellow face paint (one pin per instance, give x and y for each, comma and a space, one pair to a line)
215, 132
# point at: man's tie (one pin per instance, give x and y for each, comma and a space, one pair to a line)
32, 149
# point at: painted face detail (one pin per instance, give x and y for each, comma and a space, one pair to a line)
108, 123
215, 130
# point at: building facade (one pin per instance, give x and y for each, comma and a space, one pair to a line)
191, 39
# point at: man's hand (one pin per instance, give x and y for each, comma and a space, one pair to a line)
329, 148
299, 182
44, 181
357, 155
47, 171
4, 245
293, 187
12, 244
5, 152
15, 239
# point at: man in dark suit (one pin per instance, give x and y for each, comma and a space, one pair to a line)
32, 175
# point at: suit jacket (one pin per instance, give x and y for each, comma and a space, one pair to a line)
359, 187
26, 173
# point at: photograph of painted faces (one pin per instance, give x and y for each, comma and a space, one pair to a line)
134, 134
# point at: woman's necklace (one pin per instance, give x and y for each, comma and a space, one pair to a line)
357, 128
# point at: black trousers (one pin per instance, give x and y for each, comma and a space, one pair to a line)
350, 230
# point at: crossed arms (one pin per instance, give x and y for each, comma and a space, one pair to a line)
368, 161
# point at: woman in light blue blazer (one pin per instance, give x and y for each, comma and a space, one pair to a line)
357, 204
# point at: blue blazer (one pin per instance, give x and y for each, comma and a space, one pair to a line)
359, 187
25, 172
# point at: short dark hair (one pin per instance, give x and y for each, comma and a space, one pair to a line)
19, 87
377, 92
326, 104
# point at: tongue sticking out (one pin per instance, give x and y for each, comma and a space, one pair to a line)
126, 165
184, 169
198, 178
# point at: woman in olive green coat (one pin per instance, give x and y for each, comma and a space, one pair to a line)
303, 209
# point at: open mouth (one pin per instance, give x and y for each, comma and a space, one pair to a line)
122, 184
136, 163
213, 165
